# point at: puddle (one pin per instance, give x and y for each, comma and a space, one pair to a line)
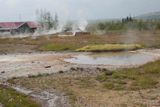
113, 59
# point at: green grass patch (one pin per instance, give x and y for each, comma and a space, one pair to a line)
110, 47
58, 47
144, 82
144, 77
11, 98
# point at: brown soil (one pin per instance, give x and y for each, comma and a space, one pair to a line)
90, 93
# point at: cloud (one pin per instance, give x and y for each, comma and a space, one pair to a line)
11, 10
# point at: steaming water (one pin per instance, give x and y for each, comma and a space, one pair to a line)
113, 59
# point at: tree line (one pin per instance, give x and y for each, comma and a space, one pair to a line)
128, 23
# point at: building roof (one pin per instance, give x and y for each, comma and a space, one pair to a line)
15, 25
32, 24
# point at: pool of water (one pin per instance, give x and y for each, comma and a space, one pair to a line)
115, 59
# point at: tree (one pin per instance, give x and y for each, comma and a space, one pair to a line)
101, 26
46, 20
68, 26
56, 21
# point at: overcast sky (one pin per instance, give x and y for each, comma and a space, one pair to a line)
15, 10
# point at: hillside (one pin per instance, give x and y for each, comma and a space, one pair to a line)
153, 15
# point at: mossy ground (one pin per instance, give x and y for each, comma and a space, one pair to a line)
110, 47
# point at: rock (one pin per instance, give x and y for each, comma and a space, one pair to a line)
81, 69
47, 66
61, 72
108, 72
104, 70
99, 69
73, 69
2, 72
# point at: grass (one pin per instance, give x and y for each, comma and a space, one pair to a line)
57, 47
143, 77
11, 98
109, 47
98, 89
55, 43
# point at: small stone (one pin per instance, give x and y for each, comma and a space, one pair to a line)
73, 69
61, 72
108, 72
99, 69
2, 72
104, 70
47, 66
81, 69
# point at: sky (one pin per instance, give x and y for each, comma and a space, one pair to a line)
24, 10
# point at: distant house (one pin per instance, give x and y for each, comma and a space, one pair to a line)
18, 27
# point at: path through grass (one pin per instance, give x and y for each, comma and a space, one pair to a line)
11, 98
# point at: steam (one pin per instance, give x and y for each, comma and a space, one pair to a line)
77, 26
8, 35
82, 24
137, 37
130, 37
40, 32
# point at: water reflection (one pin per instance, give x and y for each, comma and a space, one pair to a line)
119, 59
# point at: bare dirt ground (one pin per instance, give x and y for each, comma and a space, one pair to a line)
16, 48
16, 65
84, 91
29, 64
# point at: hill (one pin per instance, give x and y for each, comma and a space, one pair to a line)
153, 15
